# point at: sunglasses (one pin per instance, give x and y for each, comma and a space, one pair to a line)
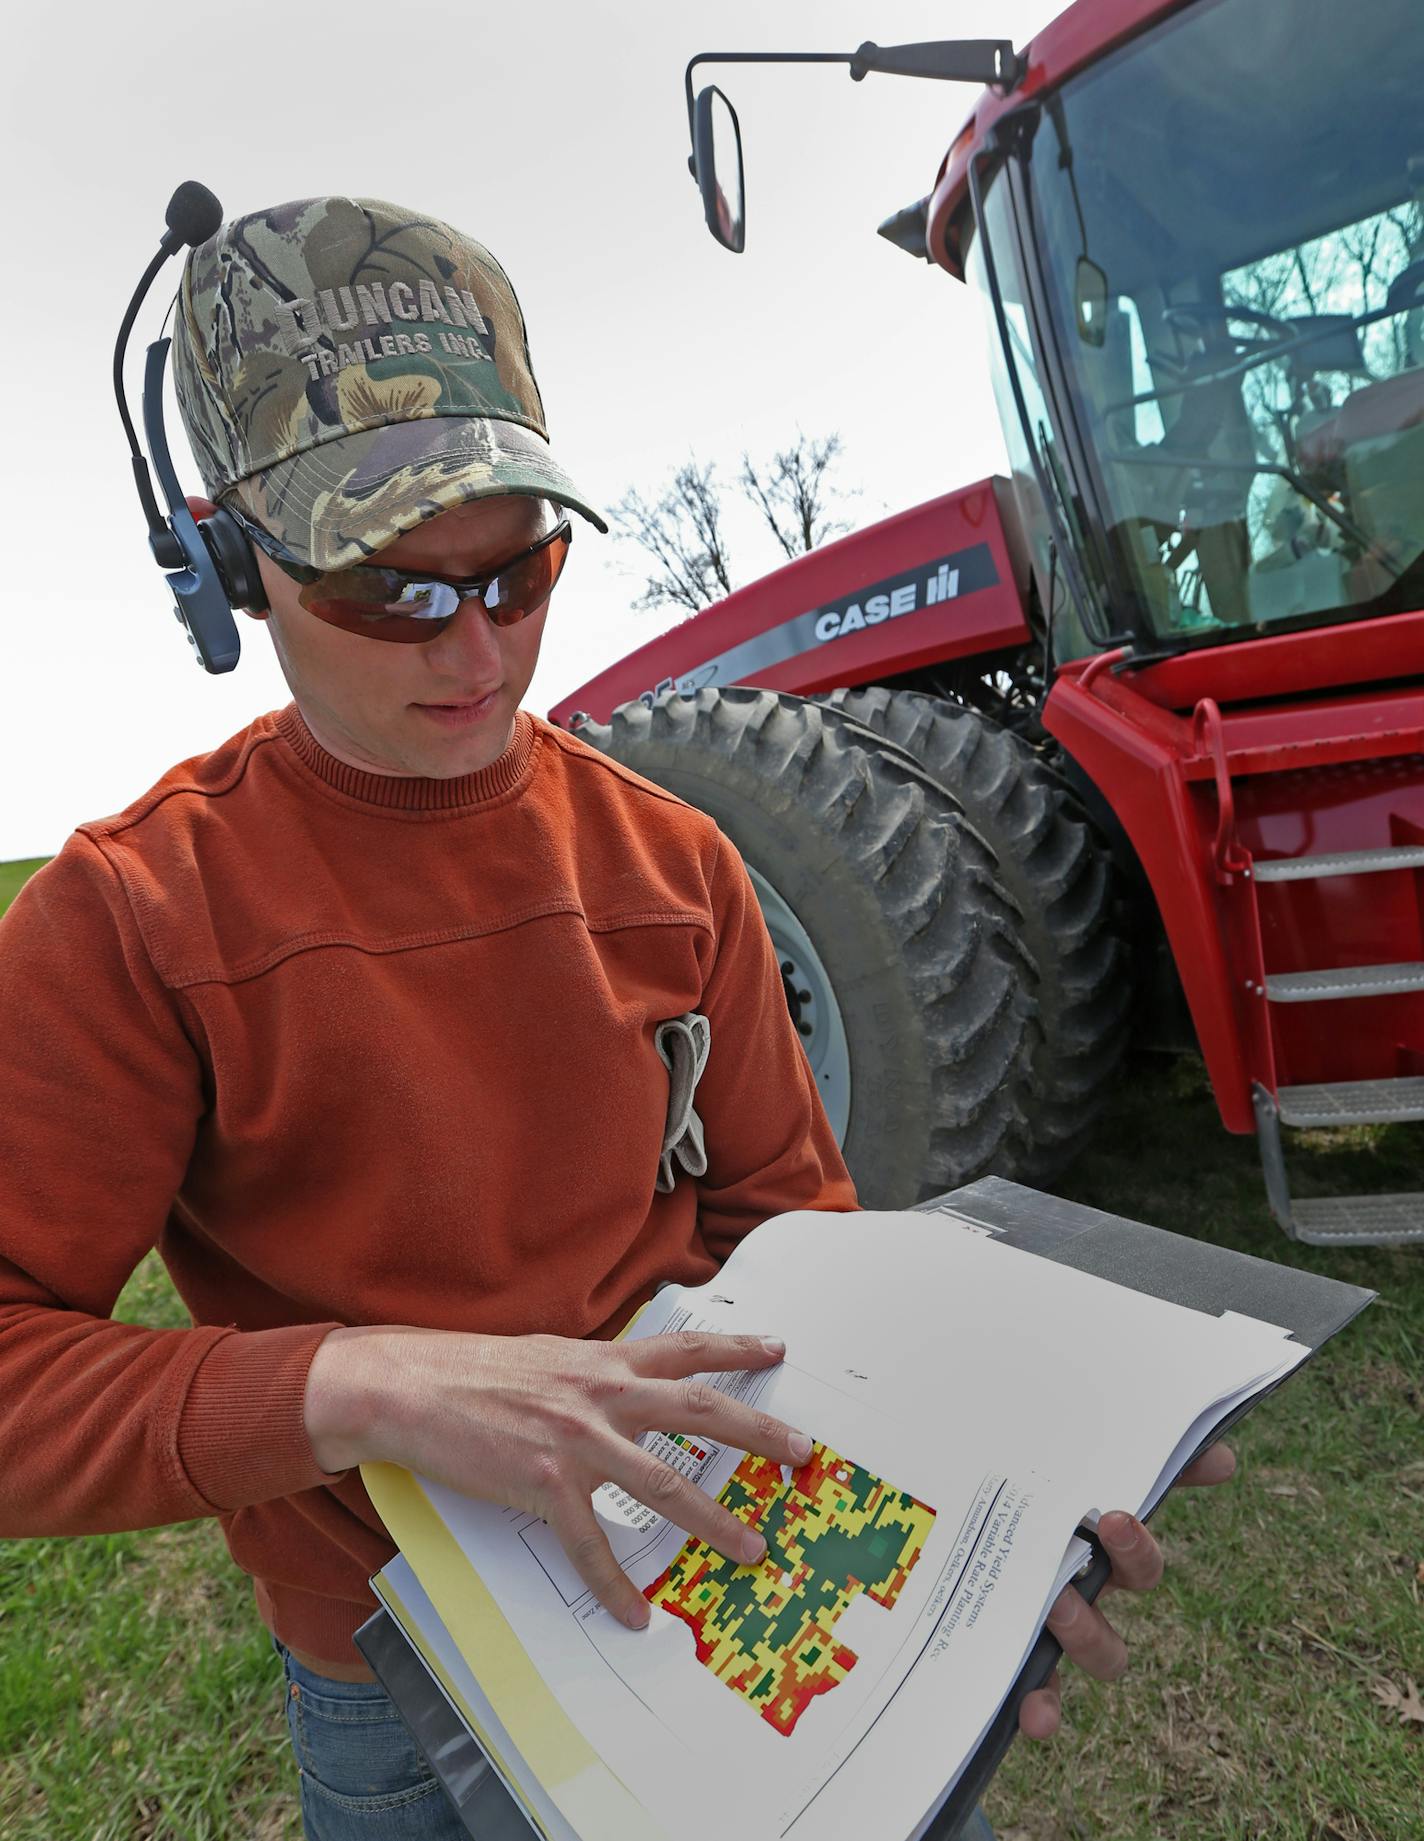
411, 608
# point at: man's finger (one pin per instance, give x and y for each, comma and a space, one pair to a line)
587, 1547
1041, 1711
680, 1352
1136, 1558
695, 1405
1086, 1636
1213, 1466
662, 1489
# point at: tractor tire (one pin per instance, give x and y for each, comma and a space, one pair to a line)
1065, 884
899, 949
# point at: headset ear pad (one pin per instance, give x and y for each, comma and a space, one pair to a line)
231, 549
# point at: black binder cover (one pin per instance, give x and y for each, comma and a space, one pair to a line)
1151, 1260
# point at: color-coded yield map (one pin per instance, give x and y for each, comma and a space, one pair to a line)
768, 1630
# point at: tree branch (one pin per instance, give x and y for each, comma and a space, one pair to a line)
793, 493
682, 533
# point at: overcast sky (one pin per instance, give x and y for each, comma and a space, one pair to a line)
557, 136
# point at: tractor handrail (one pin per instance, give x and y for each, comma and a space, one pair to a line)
1105, 661
1228, 858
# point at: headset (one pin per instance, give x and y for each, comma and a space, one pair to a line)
214, 566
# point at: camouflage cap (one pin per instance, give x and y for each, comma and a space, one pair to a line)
347, 368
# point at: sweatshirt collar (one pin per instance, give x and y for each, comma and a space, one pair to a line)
417, 794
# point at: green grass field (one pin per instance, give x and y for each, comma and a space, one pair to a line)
14, 875
139, 1700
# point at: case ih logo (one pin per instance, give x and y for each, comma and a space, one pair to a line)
888, 600
943, 578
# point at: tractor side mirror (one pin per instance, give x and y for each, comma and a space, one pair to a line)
717, 167
1090, 302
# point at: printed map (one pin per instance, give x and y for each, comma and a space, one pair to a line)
768, 1631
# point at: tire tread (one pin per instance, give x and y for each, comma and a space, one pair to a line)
1064, 886
950, 925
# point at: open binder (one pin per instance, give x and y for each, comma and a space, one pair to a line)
1148, 1260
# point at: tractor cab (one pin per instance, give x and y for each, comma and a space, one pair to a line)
1204, 257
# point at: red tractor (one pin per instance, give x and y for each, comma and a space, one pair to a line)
1134, 737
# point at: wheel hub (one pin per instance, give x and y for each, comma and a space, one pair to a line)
811, 1001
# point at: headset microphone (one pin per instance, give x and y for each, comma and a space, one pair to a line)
214, 567
193, 214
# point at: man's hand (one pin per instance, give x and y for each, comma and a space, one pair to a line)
539, 1422
1086, 1635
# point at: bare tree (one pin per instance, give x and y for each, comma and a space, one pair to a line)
682, 532
792, 493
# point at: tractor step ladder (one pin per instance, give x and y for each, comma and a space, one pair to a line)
1342, 863
1353, 1102
1343, 981
1340, 1220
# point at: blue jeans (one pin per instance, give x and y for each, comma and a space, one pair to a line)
362, 1775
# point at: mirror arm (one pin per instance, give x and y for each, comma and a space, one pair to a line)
753, 57
992, 61
972, 60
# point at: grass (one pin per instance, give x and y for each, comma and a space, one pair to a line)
14, 875
1291, 1591
139, 1700
139, 1697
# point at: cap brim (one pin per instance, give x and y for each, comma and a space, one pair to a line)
336, 504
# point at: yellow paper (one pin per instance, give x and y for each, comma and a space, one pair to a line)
592, 1798
414, 1636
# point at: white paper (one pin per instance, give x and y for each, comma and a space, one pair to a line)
1008, 1395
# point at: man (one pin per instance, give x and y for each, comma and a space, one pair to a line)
355, 1018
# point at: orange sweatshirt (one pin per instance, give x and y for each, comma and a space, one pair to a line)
351, 1048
